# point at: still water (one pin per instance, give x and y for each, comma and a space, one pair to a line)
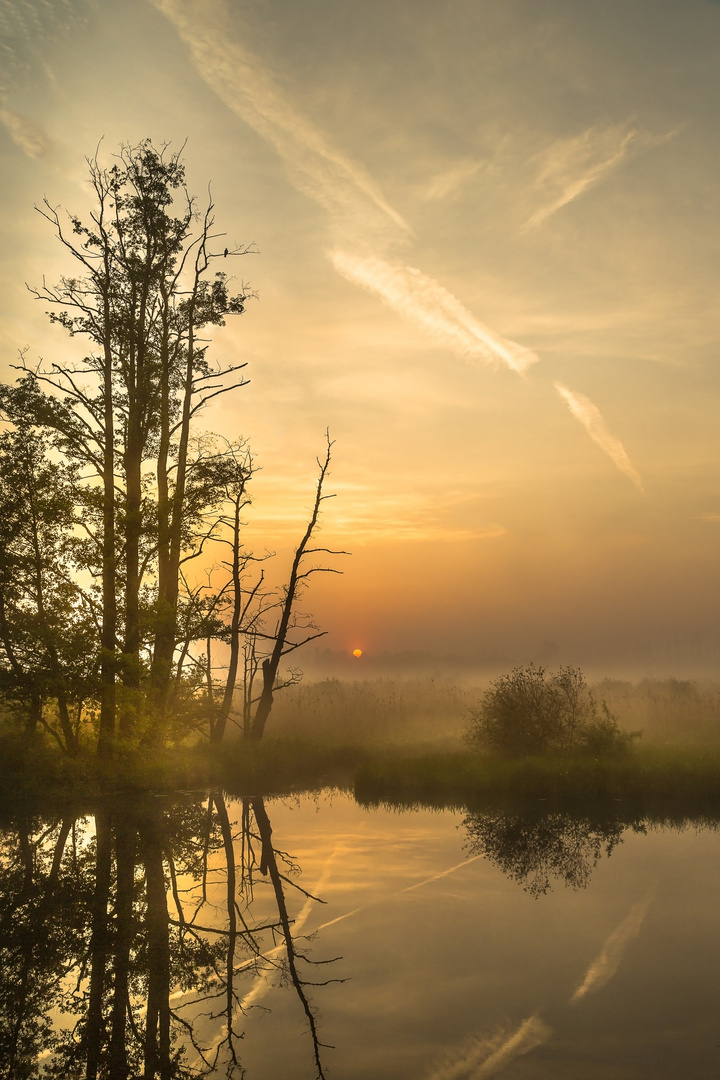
288, 939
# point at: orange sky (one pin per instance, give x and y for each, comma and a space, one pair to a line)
488, 262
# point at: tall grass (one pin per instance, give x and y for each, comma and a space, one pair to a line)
668, 709
403, 711
674, 777
374, 711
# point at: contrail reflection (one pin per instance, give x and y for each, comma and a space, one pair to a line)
481, 1058
606, 963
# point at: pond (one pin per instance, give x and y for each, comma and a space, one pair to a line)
311, 936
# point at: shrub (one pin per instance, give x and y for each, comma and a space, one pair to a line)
531, 711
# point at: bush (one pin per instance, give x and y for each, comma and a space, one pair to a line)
531, 711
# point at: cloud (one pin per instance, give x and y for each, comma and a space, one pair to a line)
32, 140
572, 166
239, 78
448, 183
605, 965
365, 225
429, 305
358, 210
481, 1058
367, 513
591, 419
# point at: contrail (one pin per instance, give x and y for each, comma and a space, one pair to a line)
358, 210
363, 221
249, 90
425, 302
591, 419
606, 963
399, 892
32, 140
481, 1058
576, 186
577, 164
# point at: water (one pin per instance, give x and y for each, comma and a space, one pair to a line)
451, 946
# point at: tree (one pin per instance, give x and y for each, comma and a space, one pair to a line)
143, 492
129, 944
141, 301
530, 712
45, 629
534, 846
299, 574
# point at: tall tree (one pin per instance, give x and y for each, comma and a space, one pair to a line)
44, 629
144, 293
144, 491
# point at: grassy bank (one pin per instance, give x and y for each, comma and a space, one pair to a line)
39, 775
672, 776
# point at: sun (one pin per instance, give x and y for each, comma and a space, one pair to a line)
357, 653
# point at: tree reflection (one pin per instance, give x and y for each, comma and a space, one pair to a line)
535, 848
129, 943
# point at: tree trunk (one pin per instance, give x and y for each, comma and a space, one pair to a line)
108, 629
99, 944
157, 1024
164, 645
125, 861
218, 729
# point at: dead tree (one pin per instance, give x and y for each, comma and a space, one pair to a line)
282, 646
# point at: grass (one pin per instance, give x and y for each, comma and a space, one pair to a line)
38, 775
686, 778
679, 779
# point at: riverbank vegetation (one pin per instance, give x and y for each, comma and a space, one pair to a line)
673, 777
398, 741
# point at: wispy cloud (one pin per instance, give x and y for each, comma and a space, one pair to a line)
484, 1057
240, 79
572, 166
448, 183
428, 304
608, 960
31, 139
361, 217
364, 224
368, 513
591, 419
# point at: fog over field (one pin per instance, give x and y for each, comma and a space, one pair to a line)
437, 708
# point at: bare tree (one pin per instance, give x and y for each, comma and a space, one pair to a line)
299, 575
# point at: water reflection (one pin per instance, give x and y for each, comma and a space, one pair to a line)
534, 848
145, 940
125, 937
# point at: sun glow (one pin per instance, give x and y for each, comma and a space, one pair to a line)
357, 653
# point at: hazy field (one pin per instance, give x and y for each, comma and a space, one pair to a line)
437, 710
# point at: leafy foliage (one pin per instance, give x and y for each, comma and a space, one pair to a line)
110, 495
531, 711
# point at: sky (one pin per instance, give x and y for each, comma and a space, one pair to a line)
487, 262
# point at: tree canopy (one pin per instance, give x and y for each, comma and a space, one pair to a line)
111, 491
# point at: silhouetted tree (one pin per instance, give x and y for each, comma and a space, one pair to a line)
299, 574
46, 634
533, 848
144, 493
530, 712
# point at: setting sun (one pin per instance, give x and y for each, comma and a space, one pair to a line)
357, 653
